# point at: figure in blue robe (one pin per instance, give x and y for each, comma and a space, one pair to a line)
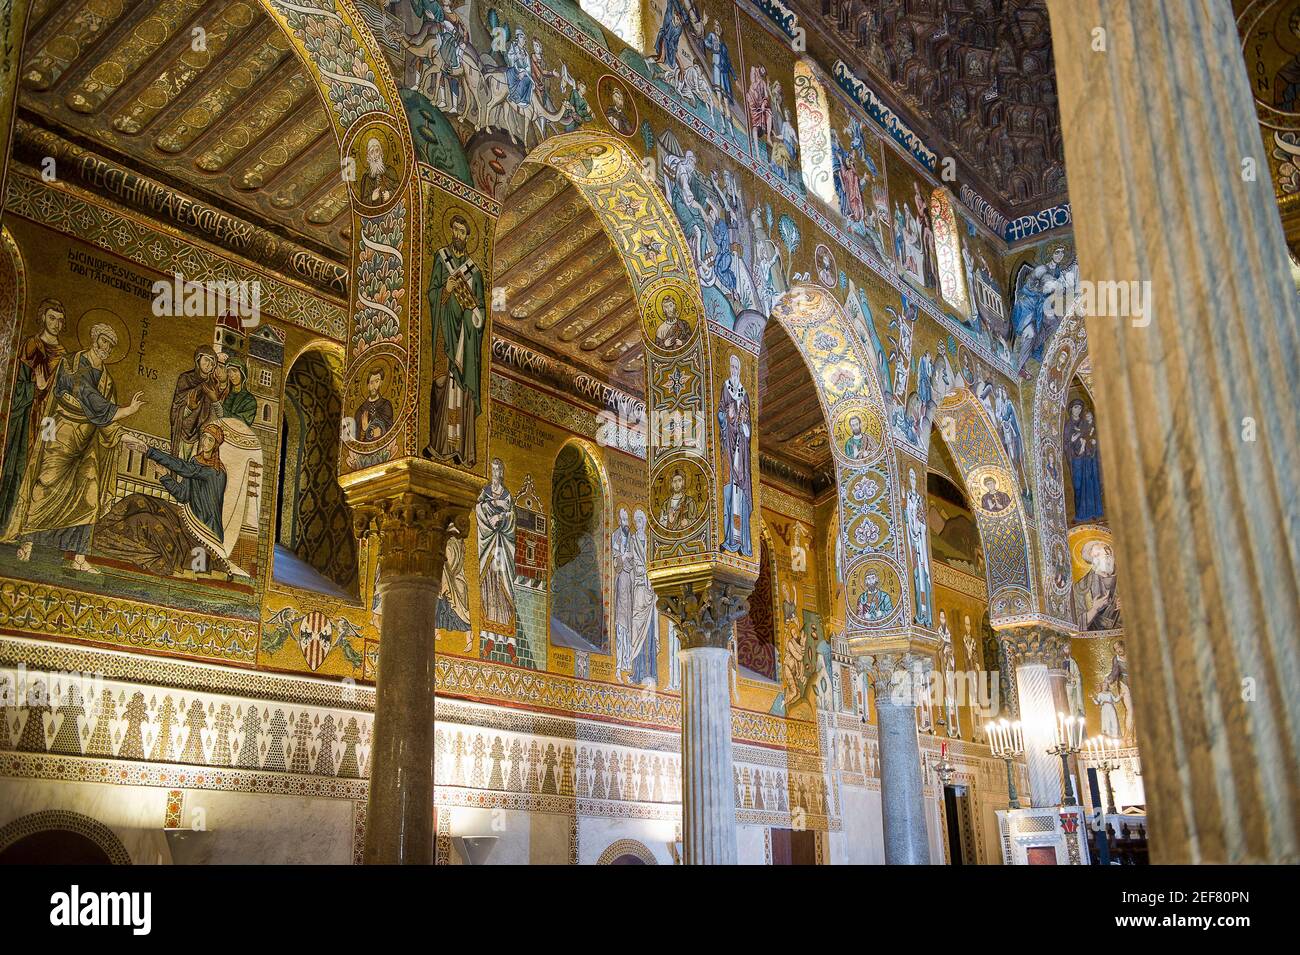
722, 264
670, 34
199, 482
925, 380
1027, 311
837, 175
1085, 467
723, 72
519, 70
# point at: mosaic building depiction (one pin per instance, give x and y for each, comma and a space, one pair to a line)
718, 397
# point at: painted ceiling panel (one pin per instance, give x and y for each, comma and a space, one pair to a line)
208, 94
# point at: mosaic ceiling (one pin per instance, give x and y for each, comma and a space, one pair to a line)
567, 295
975, 75
791, 427
566, 290
207, 93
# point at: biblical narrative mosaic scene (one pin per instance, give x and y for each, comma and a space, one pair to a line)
729, 410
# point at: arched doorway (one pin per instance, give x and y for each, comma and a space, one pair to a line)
314, 543
627, 852
60, 837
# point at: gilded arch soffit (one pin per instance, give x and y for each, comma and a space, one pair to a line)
866, 474
673, 330
364, 107
998, 507
1065, 356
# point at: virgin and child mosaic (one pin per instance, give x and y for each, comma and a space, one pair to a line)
1081, 451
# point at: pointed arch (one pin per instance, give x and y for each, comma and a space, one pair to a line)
314, 543
580, 610
17, 437
877, 596
758, 639
1065, 355
361, 99
993, 490
673, 330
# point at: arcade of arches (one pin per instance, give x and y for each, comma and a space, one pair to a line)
727, 411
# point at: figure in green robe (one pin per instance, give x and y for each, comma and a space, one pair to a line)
457, 315
38, 361
240, 403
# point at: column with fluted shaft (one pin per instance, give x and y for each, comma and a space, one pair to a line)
705, 614
1035, 652
1200, 439
411, 532
898, 684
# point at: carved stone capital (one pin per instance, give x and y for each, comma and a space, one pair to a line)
1028, 645
411, 531
893, 675
704, 612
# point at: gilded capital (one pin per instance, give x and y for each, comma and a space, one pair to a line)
704, 611
411, 531
892, 675
1028, 645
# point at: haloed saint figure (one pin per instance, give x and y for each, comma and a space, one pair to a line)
735, 428
457, 315
68, 476
38, 361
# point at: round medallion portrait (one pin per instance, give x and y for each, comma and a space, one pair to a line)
375, 397
617, 105
857, 433
374, 166
669, 315
992, 490
679, 495
878, 587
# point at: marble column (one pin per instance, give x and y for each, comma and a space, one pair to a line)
1059, 679
1200, 440
902, 799
411, 532
705, 614
1035, 652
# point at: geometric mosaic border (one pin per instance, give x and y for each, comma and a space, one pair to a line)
65, 819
